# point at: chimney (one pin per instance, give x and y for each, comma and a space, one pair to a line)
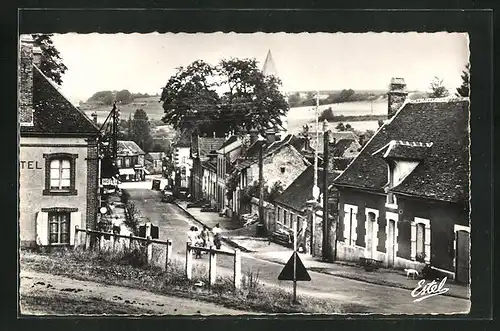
94, 117
271, 136
25, 76
396, 96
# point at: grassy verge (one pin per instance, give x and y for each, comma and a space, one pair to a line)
116, 269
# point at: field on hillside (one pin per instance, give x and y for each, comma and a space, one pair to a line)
297, 116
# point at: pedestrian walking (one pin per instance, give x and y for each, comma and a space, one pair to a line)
217, 237
197, 243
205, 236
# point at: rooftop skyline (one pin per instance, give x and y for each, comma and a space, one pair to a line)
142, 63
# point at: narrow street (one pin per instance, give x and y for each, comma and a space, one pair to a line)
174, 224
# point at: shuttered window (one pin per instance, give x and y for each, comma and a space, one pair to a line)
59, 226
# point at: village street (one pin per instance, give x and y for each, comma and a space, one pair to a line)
174, 224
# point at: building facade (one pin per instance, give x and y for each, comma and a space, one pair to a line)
130, 161
404, 200
58, 160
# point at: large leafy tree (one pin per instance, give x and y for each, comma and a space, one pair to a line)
51, 63
437, 89
140, 132
463, 90
232, 96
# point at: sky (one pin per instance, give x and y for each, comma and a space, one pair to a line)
143, 63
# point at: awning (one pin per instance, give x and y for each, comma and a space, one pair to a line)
126, 171
146, 171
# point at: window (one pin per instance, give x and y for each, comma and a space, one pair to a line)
119, 162
127, 162
60, 174
284, 217
421, 240
59, 228
350, 224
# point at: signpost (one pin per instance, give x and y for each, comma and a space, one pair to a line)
294, 269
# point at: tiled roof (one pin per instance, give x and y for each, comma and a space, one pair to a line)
337, 135
128, 147
341, 146
209, 165
53, 113
229, 141
300, 191
444, 172
154, 155
398, 149
205, 146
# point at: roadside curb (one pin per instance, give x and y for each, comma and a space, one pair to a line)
318, 270
226, 240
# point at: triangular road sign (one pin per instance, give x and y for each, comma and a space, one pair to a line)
301, 272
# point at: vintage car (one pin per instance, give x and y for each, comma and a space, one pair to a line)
167, 196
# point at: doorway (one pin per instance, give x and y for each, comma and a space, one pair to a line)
391, 242
371, 235
462, 238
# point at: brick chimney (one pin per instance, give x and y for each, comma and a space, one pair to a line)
25, 76
396, 96
94, 117
271, 135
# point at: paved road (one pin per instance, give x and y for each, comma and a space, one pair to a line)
174, 224
47, 287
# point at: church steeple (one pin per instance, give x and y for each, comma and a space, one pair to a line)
269, 68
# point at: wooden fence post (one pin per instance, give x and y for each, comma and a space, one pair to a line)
77, 237
101, 242
189, 261
87, 240
168, 252
130, 242
237, 268
149, 250
212, 267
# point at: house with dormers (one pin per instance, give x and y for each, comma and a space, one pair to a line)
404, 200
58, 159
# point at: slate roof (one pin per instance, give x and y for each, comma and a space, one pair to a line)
443, 174
405, 150
229, 141
53, 113
300, 191
128, 147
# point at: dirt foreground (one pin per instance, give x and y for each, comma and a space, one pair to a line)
46, 294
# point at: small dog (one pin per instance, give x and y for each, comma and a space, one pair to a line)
411, 273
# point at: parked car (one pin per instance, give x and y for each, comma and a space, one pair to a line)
167, 196
181, 193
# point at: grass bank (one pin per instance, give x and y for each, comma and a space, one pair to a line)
126, 269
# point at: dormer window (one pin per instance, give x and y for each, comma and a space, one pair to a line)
282, 169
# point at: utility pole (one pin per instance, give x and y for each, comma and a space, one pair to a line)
114, 135
315, 191
326, 244
261, 188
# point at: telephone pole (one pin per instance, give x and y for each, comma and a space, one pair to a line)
261, 189
315, 191
326, 249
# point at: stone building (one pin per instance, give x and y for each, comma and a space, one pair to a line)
58, 159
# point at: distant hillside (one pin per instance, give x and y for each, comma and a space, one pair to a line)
151, 105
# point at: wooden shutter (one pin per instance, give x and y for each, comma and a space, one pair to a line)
75, 219
42, 224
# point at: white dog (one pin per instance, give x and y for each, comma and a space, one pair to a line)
411, 273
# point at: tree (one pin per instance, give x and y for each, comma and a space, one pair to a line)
232, 96
124, 96
463, 90
437, 89
140, 130
51, 63
340, 127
